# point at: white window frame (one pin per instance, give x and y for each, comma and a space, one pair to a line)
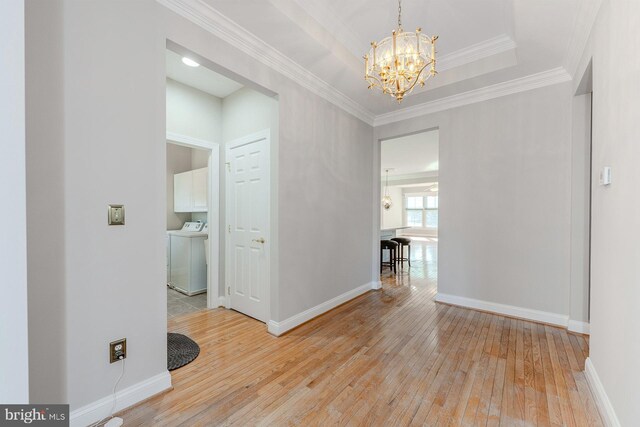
424, 209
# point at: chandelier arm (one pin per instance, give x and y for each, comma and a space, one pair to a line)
415, 81
375, 81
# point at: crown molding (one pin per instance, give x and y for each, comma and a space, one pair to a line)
585, 21
224, 28
229, 31
476, 52
534, 81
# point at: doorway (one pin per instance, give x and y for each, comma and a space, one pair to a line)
409, 208
192, 205
582, 181
212, 110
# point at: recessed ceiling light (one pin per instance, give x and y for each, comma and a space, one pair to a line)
189, 62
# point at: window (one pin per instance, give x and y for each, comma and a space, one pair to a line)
431, 214
421, 211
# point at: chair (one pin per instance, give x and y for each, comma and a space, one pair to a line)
392, 247
402, 243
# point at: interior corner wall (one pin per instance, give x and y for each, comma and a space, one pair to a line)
615, 270
14, 358
46, 218
179, 159
504, 199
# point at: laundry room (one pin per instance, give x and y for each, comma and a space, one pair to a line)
194, 129
218, 150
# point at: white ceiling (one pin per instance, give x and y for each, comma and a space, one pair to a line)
410, 155
200, 77
482, 42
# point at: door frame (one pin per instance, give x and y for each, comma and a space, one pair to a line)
264, 134
213, 209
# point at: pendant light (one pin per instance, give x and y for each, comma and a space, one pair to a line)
386, 200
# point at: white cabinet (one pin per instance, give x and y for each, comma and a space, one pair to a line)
199, 193
190, 191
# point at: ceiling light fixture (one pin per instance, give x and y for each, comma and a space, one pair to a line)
189, 62
386, 200
398, 63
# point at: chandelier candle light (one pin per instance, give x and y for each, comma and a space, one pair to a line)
398, 63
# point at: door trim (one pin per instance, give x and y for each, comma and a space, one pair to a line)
265, 135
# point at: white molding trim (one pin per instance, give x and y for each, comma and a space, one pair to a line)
507, 310
534, 81
208, 18
222, 301
578, 327
279, 328
585, 20
205, 16
375, 285
136, 393
189, 141
603, 403
476, 52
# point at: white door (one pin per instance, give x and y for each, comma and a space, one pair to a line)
248, 225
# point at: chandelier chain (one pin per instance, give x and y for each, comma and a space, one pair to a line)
399, 13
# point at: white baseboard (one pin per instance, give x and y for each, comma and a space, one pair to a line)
507, 310
136, 393
578, 327
602, 400
279, 328
222, 301
376, 285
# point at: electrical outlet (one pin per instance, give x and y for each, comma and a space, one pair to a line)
117, 350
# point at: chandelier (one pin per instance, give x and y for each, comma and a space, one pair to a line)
399, 63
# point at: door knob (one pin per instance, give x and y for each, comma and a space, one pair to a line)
260, 240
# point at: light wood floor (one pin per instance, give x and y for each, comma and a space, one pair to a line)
389, 357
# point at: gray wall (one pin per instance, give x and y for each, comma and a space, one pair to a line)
504, 199
615, 271
14, 358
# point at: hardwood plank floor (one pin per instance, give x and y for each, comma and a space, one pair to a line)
392, 357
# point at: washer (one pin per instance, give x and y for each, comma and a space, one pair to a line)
187, 269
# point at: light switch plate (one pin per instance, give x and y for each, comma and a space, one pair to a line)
116, 214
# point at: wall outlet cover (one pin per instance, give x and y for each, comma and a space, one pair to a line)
117, 350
